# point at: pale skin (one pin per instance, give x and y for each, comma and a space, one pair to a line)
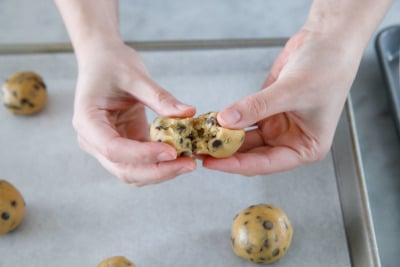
296, 111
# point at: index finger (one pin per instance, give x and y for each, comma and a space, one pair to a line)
260, 161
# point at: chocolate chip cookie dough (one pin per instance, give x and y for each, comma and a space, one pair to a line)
24, 93
12, 207
201, 135
117, 261
261, 234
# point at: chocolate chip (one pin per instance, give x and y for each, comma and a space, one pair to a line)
266, 243
185, 154
200, 132
5, 215
249, 250
43, 85
181, 128
14, 203
25, 101
268, 225
181, 141
160, 127
191, 136
275, 252
286, 226
246, 222
216, 143
233, 241
247, 213
36, 86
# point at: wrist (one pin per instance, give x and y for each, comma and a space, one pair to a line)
90, 23
96, 43
353, 21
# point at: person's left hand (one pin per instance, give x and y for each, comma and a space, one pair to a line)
297, 111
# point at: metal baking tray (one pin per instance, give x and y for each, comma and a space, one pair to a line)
78, 214
387, 44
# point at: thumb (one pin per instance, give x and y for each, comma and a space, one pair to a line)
160, 100
256, 107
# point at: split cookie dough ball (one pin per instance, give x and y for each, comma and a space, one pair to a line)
201, 135
261, 234
24, 93
117, 261
12, 207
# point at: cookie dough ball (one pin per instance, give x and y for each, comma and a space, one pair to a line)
201, 135
24, 93
117, 261
12, 207
261, 234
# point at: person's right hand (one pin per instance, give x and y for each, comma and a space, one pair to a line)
109, 116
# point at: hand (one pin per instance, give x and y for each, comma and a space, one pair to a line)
109, 116
297, 111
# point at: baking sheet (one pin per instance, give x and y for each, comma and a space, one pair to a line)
78, 214
388, 51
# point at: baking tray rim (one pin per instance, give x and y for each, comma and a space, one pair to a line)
386, 70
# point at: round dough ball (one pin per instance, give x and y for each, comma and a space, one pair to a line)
24, 93
116, 261
261, 234
12, 207
201, 135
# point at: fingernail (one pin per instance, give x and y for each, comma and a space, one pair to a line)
231, 117
182, 107
164, 156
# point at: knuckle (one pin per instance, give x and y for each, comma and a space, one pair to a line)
315, 152
76, 124
109, 152
162, 96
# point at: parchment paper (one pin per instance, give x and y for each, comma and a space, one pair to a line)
78, 214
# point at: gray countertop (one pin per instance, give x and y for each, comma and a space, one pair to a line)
39, 22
